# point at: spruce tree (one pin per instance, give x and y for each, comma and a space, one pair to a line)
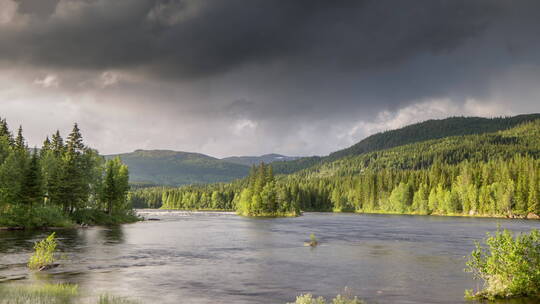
75, 141
57, 144
32, 191
20, 143
4, 132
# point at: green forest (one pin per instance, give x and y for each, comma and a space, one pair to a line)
489, 174
63, 183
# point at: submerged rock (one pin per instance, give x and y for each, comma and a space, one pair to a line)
311, 243
47, 267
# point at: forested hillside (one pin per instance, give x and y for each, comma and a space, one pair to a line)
427, 130
171, 168
256, 160
495, 174
164, 167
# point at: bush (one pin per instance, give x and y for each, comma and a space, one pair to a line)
509, 265
309, 299
43, 216
44, 253
98, 217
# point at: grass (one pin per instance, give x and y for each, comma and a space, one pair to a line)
339, 299
51, 294
508, 264
108, 299
38, 294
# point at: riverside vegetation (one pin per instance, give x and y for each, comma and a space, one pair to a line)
51, 294
61, 184
43, 256
490, 174
509, 265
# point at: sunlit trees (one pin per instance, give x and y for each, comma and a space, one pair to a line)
66, 178
488, 174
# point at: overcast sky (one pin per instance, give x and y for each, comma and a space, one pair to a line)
248, 77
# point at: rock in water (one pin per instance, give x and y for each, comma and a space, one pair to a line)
532, 216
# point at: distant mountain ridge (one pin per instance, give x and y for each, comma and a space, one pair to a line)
174, 168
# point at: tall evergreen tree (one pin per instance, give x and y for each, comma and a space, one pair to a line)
32, 189
20, 143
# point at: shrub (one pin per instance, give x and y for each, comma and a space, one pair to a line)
44, 216
98, 217
509, 265
44, 253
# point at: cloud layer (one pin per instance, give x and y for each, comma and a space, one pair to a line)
251, 77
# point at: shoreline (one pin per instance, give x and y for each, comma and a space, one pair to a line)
229, 212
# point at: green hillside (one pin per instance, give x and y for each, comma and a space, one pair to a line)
164, 167
490, 174
427, 130
255, 160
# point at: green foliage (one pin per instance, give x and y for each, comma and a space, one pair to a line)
35, 217
312, 240
424, 131
256, 160
115, 185
51, 294
44, 253
45, 189
42, 294
309, 299
100, 217
339, 299
108, 299
509, 265
492, 174
260, 197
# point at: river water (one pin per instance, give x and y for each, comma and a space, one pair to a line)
222, 258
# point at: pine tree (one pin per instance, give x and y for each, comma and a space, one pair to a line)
32, 190
4, 132
20, 143
57, 144
11, 180
534, 194
46, 147
75, 143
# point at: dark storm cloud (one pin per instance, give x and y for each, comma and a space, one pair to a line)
256, 76
204, 38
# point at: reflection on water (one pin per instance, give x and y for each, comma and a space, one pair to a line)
218, 257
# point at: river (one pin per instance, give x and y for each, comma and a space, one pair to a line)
222, 258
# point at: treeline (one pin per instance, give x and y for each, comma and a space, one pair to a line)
497, 187
257, 195
495, 174
63, 182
